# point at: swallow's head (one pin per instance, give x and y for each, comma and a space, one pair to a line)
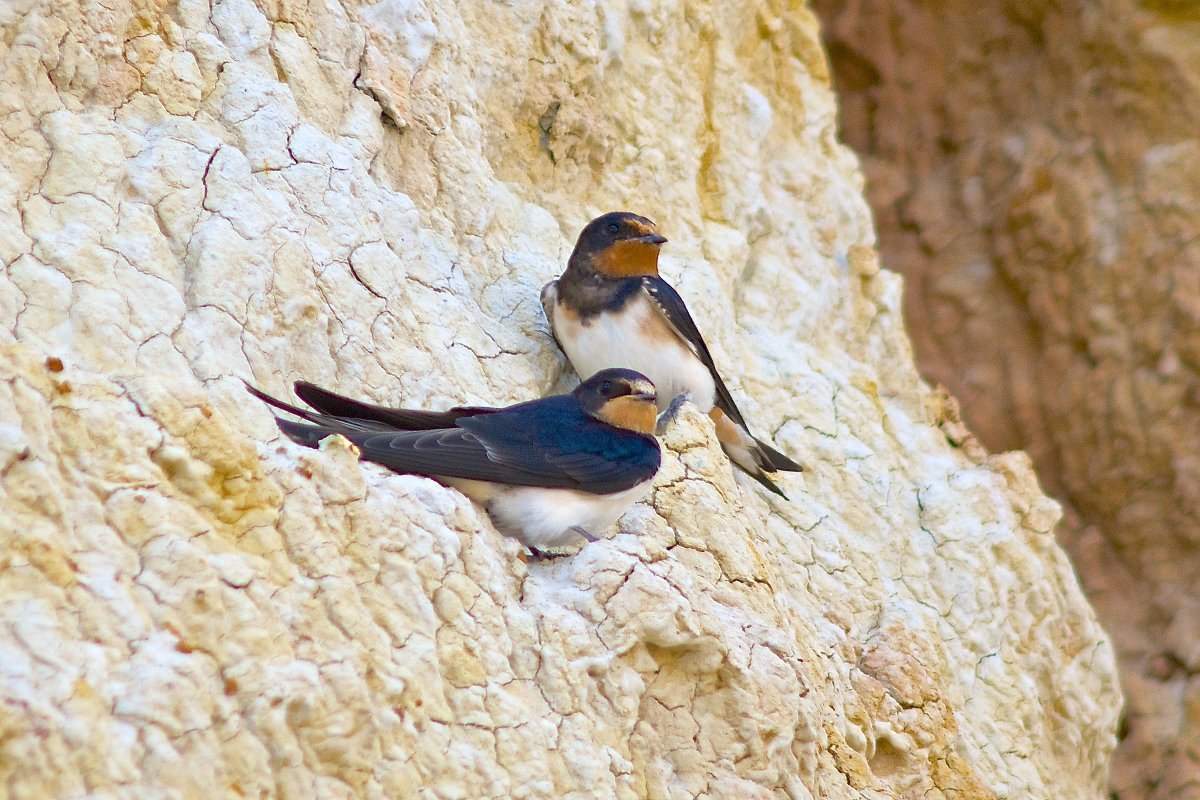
619, 245
620, 397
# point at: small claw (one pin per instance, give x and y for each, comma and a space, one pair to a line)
585, 534
543, 555
671, 412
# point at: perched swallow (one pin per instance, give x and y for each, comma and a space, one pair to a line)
546, 470
610, 308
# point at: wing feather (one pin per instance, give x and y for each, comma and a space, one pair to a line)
333, 404
553, 443
548, 443
672, 308
549, 299
674, 311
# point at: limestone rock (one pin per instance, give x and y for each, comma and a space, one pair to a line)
370, 198
1036, 183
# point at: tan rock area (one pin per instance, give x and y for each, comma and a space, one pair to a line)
1035, 171
370, 197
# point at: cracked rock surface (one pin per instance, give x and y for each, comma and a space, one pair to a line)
370, 197
1036, 183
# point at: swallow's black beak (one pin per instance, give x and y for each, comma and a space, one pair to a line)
654, 238
645, 396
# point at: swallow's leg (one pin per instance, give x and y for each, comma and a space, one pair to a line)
672, 411
587, 535
544, 555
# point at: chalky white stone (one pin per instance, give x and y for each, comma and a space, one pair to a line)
370, 199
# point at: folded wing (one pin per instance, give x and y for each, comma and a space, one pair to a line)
675, 312
333, 404
549, 443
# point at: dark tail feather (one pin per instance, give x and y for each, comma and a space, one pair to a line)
766, 482
404, 419
309, 435
775, 460
275, 402
300, 433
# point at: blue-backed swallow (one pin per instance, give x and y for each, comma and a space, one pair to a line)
547, 470
610, 308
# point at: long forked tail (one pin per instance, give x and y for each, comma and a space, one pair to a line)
763, 480
776, 461
401, 419
766, 459
307, 435
275, 402
752, 455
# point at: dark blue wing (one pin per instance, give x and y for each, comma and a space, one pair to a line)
549, 443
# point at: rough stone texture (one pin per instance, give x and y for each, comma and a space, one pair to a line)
370, 198
1035, 171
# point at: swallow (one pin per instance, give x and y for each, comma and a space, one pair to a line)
546, 471
610, 308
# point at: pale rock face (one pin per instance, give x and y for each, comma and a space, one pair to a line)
1038, 184
370, 198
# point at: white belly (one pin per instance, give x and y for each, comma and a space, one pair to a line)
619, 340
543, 518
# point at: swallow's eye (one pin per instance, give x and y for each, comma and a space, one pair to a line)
613, 228
606, 388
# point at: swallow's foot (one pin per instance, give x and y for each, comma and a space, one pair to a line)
672, 411
587, 535
544, 555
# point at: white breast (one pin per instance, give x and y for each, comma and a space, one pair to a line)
543, 518
623, 340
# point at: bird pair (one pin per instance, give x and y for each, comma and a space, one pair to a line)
550, 470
